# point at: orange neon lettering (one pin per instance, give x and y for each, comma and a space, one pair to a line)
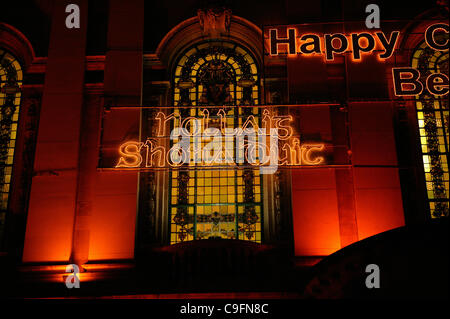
152, 152
307, 156
130, 154
249, 143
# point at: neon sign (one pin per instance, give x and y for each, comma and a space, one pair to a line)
407, 80
312, 44
203, 142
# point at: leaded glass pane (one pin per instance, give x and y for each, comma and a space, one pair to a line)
10, 83
208, 203
432, 116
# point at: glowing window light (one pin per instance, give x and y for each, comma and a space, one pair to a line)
215, 205
432, 116
10, 82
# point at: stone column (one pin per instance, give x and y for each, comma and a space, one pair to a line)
51, 215
344, 177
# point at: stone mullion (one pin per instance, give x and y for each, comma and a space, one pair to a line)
182, 217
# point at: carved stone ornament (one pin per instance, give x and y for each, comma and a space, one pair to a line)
214, 21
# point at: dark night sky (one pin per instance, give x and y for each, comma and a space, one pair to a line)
32, 18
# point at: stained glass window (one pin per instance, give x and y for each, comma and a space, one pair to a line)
10, 82
216, 203
432, 116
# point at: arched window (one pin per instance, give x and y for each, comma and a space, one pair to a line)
432, 115
10, 83
224, 203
